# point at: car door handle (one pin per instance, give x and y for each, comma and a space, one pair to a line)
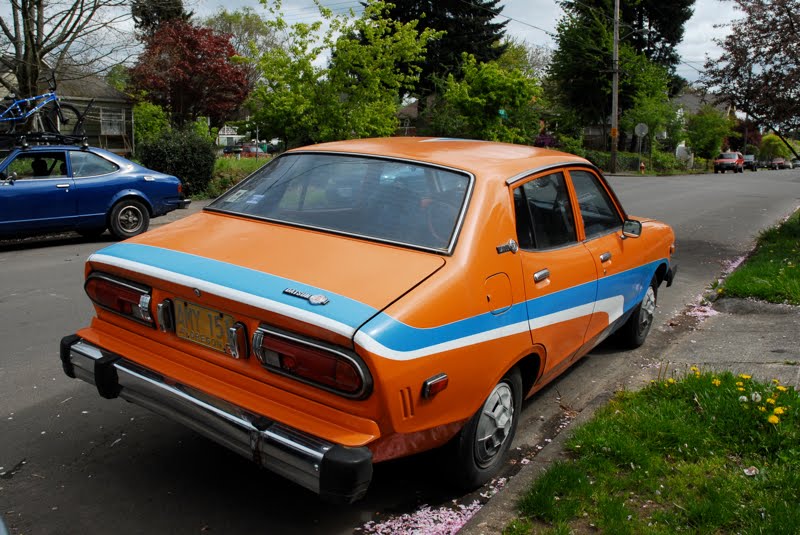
539, 276
605, 257
62, 185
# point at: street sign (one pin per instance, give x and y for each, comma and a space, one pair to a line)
641, 130
614, 132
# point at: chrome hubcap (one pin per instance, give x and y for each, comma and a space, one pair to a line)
130, 219
494, 424
647, 309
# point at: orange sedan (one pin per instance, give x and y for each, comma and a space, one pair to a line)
359, 301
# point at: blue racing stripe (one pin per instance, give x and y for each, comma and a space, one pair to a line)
340, 308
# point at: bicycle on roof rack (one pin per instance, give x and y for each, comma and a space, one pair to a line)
48, 113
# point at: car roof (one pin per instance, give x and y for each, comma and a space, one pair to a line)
485, 158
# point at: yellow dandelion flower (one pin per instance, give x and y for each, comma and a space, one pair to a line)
782, 388
740, 389
694, 369
671, 380
773, 419
745, 376
776, 381
762, 409
716, 382
777, 410
771, 401
739, 383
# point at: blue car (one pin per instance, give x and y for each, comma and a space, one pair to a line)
56, 188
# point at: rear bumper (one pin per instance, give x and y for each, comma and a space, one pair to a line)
337, 473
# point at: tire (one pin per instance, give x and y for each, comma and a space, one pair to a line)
475, 461
71, 123
634, 332
128, 218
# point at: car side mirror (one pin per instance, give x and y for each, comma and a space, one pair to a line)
8, 179
631, 228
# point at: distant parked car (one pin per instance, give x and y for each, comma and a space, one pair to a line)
788, 164
795, 163
56, 188
778, 163
729, 161
232, 149
750, 162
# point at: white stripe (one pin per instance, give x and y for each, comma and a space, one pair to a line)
612, 306
228, 293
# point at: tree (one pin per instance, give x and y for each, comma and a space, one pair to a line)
759, 68
771, 147
469, 27
487, 102
149, 15
149, 122
356, 94
188, 71
251, 36
74, 38
705, 131
531, 60
652, 28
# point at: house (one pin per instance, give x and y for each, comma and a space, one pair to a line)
109, 123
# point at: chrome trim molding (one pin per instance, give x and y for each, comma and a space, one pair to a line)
536, 170
289, 452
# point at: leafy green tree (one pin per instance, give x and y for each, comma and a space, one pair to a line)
487, 102
470, 27
250, 34
149, 15
356, 94
651, 104
706, 130
773, 146
149, 122
531, 60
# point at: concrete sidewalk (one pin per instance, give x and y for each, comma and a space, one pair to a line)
738, 335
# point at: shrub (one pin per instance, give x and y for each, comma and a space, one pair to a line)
183, 153
664, 161
149, 122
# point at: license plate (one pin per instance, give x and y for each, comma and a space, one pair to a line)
202, 325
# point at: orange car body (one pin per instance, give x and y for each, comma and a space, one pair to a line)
469, 312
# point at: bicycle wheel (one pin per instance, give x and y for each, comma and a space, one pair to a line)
8, 121
68, 121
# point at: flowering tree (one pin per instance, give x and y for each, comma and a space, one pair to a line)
189, 72
759, 68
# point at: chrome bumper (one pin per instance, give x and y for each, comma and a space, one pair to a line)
335, 472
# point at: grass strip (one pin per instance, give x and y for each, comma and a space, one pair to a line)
772, 273
708, 453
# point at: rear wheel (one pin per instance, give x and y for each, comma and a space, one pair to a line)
128, 218
67, 122
481, 446
635, 330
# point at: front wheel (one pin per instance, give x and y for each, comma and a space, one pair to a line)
635, 330
128, 218
481, 446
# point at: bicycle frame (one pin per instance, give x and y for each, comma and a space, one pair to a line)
19, 110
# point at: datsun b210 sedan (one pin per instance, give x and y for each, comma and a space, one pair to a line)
359, 301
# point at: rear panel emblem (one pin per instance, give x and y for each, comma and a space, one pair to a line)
315, 299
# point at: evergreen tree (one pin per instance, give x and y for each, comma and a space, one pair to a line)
470, 28
149, 15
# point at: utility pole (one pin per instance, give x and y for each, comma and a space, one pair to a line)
615, 91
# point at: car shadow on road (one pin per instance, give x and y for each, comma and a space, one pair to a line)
54, 240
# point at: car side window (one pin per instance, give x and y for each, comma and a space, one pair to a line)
86, 164
32, 165
597, 210
543, 213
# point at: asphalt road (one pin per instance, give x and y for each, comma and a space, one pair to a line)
72, 463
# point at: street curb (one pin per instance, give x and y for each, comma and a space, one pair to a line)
498, 512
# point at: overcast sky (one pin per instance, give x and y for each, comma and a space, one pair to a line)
532, 20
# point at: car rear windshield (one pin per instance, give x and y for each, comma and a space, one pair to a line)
387, 200
727, 156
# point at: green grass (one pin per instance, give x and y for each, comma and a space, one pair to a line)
228, 172
772, 273
672, 458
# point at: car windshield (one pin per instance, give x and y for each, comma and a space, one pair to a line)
727, 156
388, 200
749, 157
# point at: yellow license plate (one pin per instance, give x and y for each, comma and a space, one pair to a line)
202, 325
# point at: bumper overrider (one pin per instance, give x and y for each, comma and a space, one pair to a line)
337, 473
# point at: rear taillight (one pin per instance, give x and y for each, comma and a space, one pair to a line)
123, 297
329, 368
